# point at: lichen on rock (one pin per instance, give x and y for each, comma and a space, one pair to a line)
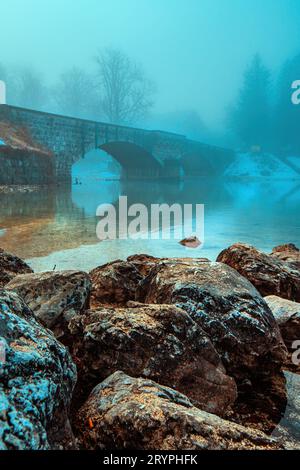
135, 413
36, 382
227, 307
161, 342
274, 274
54, 297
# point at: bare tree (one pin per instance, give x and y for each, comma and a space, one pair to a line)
75, 94
126, 94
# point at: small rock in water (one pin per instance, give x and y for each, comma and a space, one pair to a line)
191, 242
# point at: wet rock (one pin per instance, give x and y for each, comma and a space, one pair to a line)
227, 307
114, 283
161, 342
11, 266
54, 297
268, 273
191, 242
37, 380
135, 413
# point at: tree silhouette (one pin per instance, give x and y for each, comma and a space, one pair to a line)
250, 118
287, 114
126, 93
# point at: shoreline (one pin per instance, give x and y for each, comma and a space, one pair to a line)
187, 323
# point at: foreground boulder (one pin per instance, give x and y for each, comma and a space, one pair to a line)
10, 266
37, 380
134, 413
54, 297
114, 283
287, 315
227, 307
270, 274
161, 342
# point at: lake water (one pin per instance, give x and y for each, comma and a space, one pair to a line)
57, 227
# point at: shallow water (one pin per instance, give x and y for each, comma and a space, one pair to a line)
57, 227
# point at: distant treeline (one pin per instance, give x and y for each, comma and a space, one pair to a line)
264, 116
116, 91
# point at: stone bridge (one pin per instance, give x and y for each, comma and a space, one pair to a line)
141, 153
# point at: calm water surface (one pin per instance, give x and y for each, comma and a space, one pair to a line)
57, 227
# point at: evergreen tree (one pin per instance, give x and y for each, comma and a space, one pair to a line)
250, 118
287, 114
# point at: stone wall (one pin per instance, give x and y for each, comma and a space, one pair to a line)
20, 167
68, 139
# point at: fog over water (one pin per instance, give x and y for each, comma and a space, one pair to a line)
218, 71
224, 75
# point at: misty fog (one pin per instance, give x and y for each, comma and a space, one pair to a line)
216, 71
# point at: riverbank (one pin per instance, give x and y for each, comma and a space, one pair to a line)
193, 351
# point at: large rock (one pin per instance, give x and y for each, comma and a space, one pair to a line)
287, 315
37, 380
270, 274
10, 266
227, 307
157, 341
54, 297
134, 413
114, 283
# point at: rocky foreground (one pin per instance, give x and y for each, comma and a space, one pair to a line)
152, 353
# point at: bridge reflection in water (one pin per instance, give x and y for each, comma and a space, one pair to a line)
39, 223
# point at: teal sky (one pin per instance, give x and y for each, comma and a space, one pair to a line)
195, 50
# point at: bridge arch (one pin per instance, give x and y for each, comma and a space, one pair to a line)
141, 152
136, 161
197, 163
